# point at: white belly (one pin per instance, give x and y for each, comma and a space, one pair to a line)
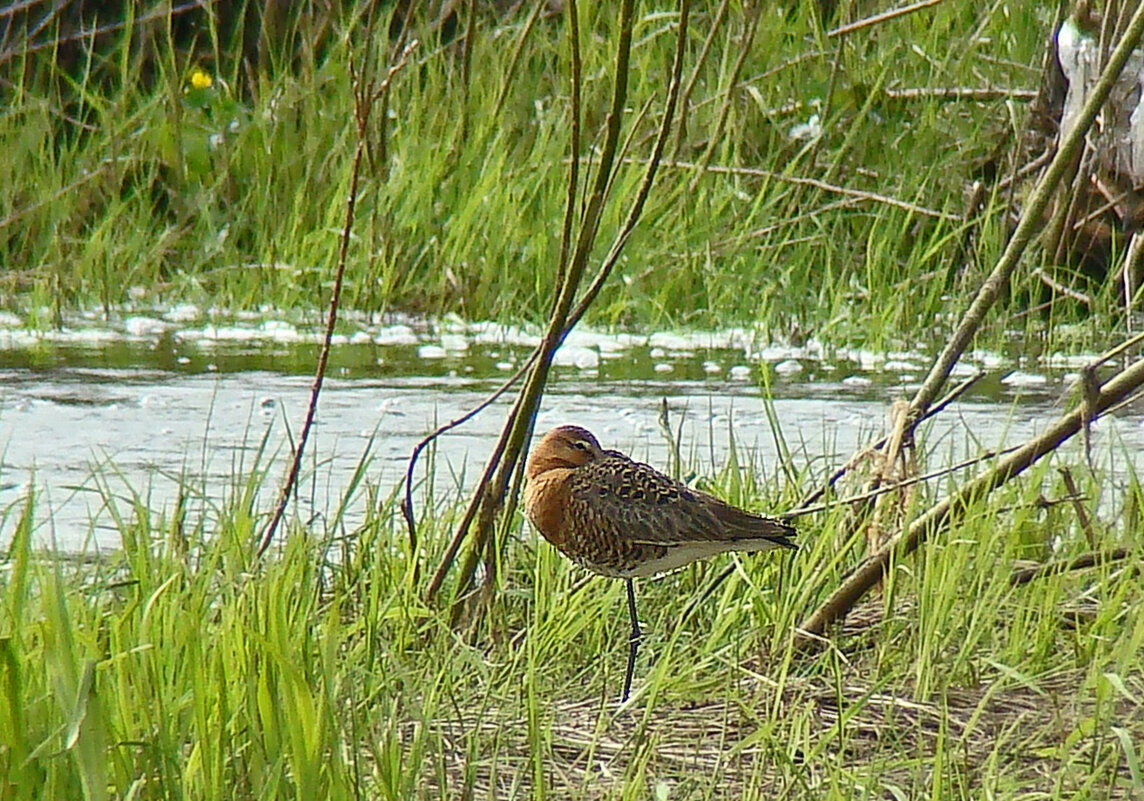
679, 555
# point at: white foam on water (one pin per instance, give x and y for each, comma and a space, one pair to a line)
143, 327
431, 352
17, 339
280, 331
91, 337
183, 313
580, 357
455, 343
900, 366
1020, 378
986, 358
1066, 361
491, 333
217, 333
677, 343
395, 335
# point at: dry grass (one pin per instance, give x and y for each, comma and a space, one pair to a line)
728, 748
800, 737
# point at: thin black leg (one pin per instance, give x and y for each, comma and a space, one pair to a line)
634, 641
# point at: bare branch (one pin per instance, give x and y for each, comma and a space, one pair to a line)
1031, 221
817, 184
1082, 562
804, 507
952, 508
877, 19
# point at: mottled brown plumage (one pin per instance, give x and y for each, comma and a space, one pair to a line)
623, 519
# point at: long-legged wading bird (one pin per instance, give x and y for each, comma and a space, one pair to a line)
623, 519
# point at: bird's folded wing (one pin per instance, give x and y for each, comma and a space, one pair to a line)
637, 503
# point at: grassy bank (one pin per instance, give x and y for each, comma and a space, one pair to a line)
180, 668
143, 182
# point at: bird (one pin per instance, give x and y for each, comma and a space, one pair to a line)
623, 519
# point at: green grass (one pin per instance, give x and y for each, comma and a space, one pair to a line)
234, 199
180, 668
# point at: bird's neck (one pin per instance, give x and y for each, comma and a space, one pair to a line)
539, 465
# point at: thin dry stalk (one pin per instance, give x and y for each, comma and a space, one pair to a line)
873, 197
893, 467
872, 494
16, 215
1077, 501
960, 93
1061, 289
700, 62
365, 98
568, 226
1131, 273
754, 13
878, 19
489, 494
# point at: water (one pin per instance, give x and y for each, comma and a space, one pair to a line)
140, 408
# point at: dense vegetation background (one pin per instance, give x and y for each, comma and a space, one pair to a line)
816, 187
203, 156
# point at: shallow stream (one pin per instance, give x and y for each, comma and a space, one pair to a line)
140, 406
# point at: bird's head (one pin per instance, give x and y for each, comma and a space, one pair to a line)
567, 447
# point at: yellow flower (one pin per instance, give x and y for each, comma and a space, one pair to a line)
201, 79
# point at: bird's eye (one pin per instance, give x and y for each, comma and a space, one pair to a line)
579, 445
